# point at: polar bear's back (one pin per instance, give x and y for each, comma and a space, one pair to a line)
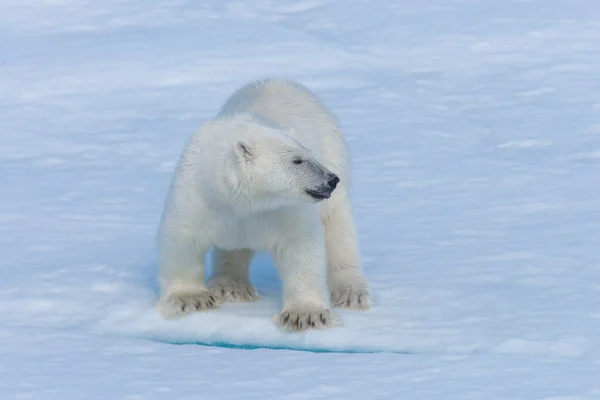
281, 101
291, 106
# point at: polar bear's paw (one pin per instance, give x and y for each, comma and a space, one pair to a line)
350, 295
303, 318
227, 288
178, 305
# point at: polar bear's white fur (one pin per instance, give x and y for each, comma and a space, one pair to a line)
262, 176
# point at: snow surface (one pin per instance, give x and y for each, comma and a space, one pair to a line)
475, 133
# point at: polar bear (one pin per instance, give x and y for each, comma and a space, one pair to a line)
271, 172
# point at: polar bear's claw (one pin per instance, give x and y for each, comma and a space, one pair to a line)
351, 298
178, 305
234, 289
303, 319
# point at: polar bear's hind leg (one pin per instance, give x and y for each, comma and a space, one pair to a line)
231, 276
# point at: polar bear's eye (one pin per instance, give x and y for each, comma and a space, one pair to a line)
298, 161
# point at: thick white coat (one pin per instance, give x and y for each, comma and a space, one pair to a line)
235, 190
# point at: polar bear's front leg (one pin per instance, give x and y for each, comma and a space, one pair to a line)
182, 278
347, 284
302, 268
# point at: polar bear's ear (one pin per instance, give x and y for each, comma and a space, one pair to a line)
244, 150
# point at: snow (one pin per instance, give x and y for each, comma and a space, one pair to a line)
475, 134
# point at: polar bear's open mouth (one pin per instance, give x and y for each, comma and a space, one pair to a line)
318, 195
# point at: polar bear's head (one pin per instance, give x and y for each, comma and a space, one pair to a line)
273, 169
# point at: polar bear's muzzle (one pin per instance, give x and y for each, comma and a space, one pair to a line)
324, 191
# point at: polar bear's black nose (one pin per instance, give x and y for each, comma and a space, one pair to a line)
333, 180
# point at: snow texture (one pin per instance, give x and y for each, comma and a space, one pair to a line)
474, 128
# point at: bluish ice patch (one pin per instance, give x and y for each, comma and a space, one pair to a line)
246, 346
